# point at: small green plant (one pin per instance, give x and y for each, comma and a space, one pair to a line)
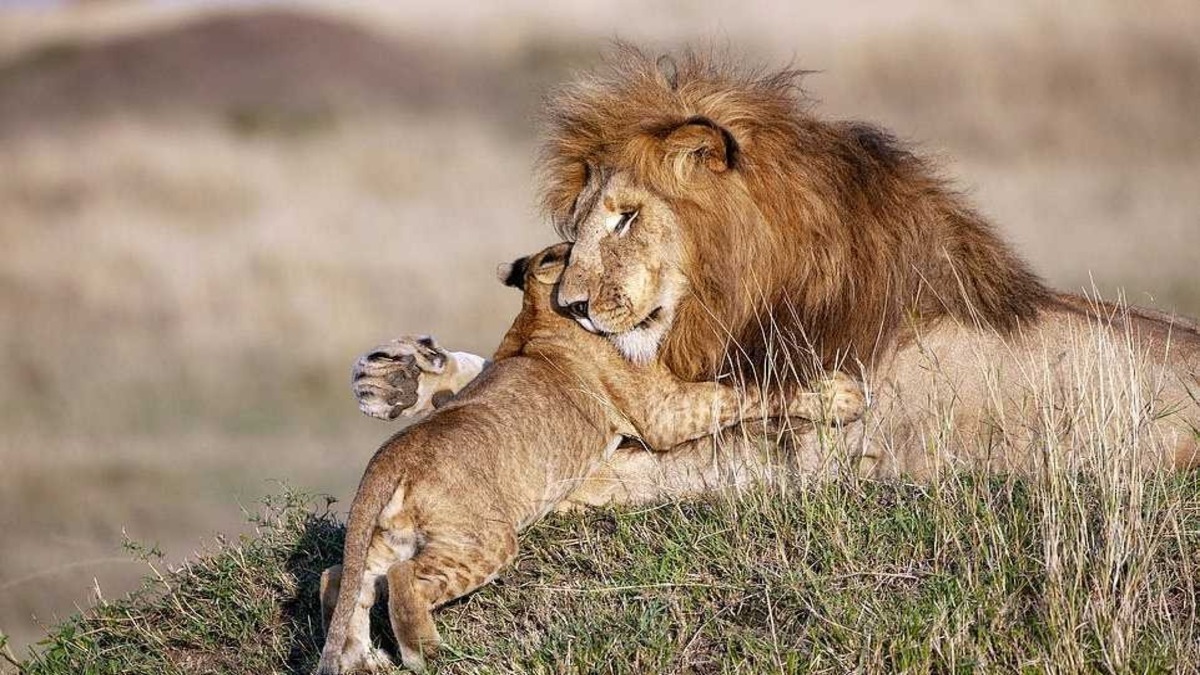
246, 606
6, 652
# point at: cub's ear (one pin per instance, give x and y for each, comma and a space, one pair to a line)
513, 274
703, 141
549, 272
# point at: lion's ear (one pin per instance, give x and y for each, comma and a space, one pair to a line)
703, 140
513, 274
668, 71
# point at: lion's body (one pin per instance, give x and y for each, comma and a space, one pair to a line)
1079, 379
440, 504
797, 244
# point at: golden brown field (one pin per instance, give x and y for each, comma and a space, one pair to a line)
205, 217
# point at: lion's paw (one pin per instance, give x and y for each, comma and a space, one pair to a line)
387, 380
842, 398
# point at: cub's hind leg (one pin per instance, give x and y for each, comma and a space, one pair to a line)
331, 584
411, 617
443, 570
359, 654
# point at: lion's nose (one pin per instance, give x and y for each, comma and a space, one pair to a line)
579, 309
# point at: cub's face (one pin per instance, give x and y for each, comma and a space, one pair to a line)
624, 276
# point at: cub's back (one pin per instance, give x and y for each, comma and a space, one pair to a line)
516, 431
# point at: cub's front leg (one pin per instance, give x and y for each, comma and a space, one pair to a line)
410, 376
674, 412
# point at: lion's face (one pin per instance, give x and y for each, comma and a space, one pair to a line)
624, 278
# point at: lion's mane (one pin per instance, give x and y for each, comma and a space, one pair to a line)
825, 239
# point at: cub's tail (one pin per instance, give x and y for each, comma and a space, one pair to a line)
379, 485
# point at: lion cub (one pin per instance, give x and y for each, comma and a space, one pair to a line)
438, 510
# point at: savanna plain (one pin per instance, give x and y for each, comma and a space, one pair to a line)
207, 213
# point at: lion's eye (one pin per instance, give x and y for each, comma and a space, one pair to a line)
619, 222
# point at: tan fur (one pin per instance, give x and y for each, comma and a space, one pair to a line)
792, 244
439, 507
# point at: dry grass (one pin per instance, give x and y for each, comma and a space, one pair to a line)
1084, 570
186, 286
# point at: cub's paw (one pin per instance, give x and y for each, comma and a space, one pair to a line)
390, 380
378, 661
842, 398
356, 657
364, 660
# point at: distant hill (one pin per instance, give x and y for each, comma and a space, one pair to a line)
274, 63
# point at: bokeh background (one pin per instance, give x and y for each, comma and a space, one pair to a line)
208, 210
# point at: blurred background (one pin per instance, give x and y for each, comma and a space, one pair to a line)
208, 210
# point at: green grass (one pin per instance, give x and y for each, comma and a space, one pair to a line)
967, 574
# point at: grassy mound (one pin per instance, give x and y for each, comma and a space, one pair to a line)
968, 574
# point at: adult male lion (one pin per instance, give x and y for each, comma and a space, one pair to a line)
719, 224
718, 221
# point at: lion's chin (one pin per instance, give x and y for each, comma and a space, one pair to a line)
640, 344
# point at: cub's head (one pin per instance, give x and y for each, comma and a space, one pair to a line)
537, 274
